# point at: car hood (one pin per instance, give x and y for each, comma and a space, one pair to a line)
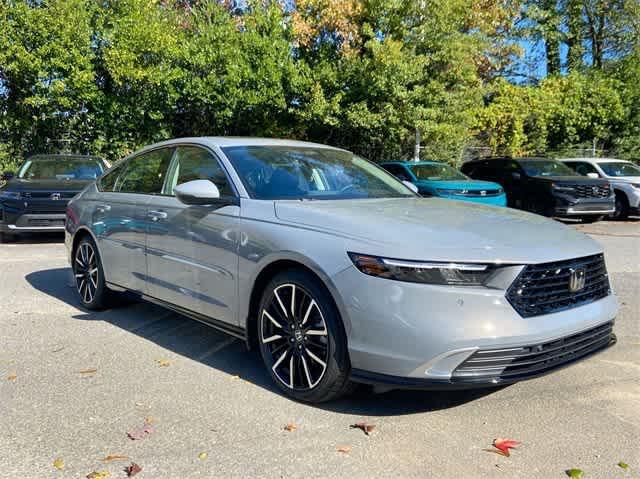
624, 179
570, 179
437, 229
19, 184
458, 184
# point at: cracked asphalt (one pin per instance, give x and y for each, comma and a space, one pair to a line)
204, 393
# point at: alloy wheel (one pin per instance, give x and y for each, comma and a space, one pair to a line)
294, 333
86, 272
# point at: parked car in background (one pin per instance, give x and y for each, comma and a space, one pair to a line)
336, 271
624, 177
433, 178
547, 187
35, 198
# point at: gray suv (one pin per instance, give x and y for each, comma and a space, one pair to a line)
336, 271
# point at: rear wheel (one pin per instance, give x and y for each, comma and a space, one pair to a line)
302, 341
89, 276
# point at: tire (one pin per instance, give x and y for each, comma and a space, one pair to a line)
6, 238
89, 276
303, 344
591, 219
622, 207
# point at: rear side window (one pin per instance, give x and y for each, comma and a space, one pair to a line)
145, 173
583, 168
398, 171
194, 163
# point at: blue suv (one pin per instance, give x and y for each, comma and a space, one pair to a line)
433, 178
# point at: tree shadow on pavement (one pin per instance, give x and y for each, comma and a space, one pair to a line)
206, 345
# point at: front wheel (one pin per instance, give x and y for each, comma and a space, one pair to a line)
89, 276
302, 340
622, 208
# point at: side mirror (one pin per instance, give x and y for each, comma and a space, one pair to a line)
593, 175
410, 185
197, 192
7, 175
516, 176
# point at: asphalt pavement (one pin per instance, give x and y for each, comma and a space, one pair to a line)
73, 383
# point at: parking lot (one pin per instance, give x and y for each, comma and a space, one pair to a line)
73, 383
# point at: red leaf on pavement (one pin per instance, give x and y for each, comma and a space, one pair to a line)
141, 432
366, 428
290, 427
503, 445
132, 470
344, 449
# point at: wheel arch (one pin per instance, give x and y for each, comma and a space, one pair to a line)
80, 233
272, 267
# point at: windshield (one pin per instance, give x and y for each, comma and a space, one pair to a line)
547, 168
620, 169
287, 172
61, 169
437, 172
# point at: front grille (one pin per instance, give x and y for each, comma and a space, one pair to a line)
39, 222
479, 193
592, 191
544, 288
522, 362
63, 195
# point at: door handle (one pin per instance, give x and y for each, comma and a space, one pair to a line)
103, 208
157, 215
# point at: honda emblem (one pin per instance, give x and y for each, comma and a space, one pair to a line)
577, 279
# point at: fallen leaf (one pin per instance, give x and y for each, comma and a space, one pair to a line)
149, 419
503, 445
12, 377
574, 473
623, 465
290, 427
366, 428
88, 371
202, 456
58, 463
114, 457
235, 376
140, 433
344, 449
57, 350
98, 475
163, 363
132, 470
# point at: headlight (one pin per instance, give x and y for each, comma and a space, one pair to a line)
9, 195
562, 188
445, 192
458, 274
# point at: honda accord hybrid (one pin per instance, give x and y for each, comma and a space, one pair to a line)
336, 271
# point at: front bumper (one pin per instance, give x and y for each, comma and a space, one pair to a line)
416, 335
568, 206
14, 220
498, 200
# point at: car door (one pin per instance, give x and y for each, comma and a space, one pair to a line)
120, 216
192, 257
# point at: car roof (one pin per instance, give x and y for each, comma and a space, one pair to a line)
61, 156
414, 163
596, 160
228, 141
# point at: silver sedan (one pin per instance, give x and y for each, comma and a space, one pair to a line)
336, 271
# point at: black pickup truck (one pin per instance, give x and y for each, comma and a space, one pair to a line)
547, 187
35, 198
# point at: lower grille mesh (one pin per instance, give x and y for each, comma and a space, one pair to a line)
518, 363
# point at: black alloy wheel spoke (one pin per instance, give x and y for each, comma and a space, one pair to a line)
295, 334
